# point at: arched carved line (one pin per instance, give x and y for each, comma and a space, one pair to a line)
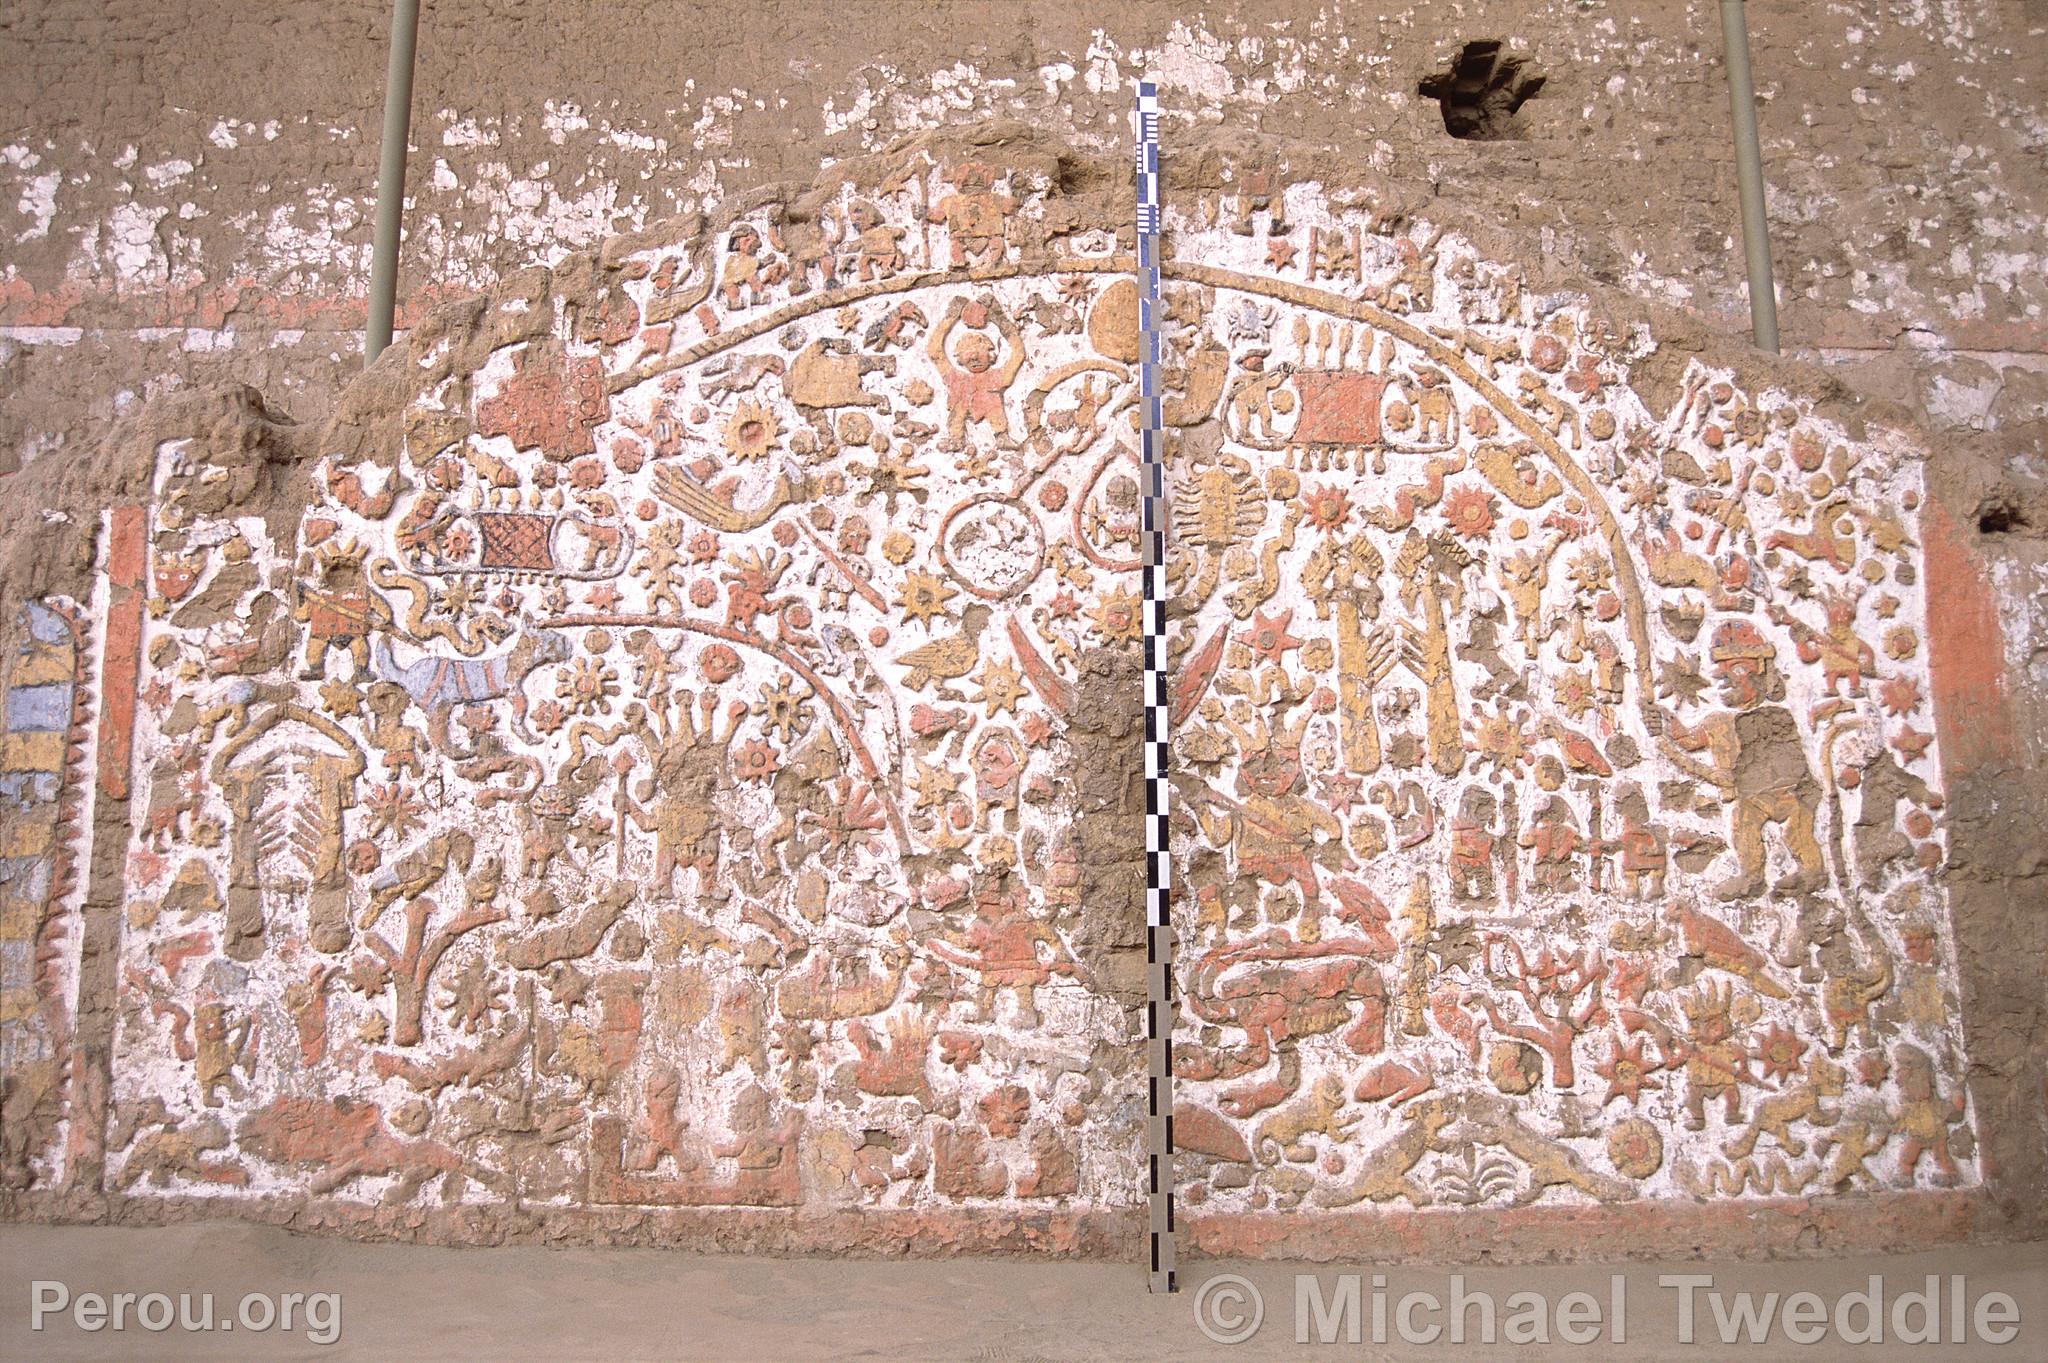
852, 293
1581, 482
781, 654
1301, 295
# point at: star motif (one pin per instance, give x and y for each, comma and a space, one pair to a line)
1116, 617
1679, 677
923, 596
935, 785
1280, 252
1911, 743
341, 698
1627, 1071
1268, 636
1901, 695
1001, 688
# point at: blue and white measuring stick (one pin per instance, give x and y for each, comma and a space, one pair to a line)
1159, 1011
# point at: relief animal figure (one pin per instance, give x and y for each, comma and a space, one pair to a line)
222, 1046
1276, 989
438, 685
827, 375
1383, 1173
1285, 1133
1493, 1120
341, 1140
1807, 1102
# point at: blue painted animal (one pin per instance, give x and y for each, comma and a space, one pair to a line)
437, 684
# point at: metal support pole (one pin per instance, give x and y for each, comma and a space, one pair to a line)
1749, 173
405, 29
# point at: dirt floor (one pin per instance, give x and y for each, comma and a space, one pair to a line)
405, 1302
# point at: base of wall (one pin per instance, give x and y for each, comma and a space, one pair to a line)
1777, 1228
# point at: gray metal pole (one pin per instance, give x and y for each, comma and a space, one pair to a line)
1749, 174
405, 28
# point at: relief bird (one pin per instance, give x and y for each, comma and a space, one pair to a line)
1722, 948
714, 505
1580, 752
948, 659
418, 871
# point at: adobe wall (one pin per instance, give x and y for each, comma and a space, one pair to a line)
645, 761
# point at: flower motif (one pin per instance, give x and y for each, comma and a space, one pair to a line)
718, 663
1501, 741
1327, 507
751, 431
703, 546
587, 686
783, 710
1591, 571
1635, 1148
756, 761
1469, 511
1116, 617
1586, 379
1003, 1110
392, 809
923, 596
548, 717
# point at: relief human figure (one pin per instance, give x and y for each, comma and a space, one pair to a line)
1757, 757
675, 804
975, 216
974, 382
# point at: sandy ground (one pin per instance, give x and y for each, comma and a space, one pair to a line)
408, 1302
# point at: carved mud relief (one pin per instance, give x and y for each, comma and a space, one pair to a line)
662, 782
1565, 812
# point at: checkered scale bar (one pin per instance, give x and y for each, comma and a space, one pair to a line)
1159, 1010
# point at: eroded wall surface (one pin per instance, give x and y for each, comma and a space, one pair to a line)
676, 776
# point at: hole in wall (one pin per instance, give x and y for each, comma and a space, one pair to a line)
2000, 516
1482, 90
